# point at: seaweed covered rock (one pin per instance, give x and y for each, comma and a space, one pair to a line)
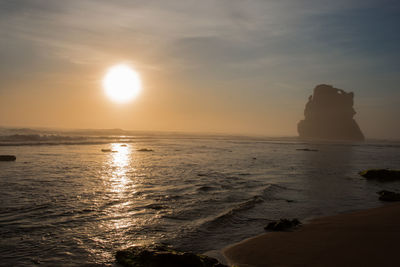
382, 175
7, 158
329, 115
386, 195
162, 256
282, 225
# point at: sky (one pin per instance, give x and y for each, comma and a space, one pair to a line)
217, 66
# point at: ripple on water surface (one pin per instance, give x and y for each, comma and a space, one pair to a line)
75, 205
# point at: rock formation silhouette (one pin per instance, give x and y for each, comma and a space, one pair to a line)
329, 115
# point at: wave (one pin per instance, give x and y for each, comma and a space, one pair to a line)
38, 137
51, 140
61, 143
236, 214
230, 214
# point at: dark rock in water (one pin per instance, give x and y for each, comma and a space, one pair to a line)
382, 175
282, 225
108, 150
307, 149
205, 188
329, 115
35, 261
385, 195
163, 256
7, 158
156, 206
145, 150
123, 145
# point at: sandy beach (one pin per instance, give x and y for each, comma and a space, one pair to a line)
364, 238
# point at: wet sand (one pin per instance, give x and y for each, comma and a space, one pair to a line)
364, 238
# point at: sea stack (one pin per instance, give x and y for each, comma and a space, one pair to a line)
329, 115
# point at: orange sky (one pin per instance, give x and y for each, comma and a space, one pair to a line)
214, 66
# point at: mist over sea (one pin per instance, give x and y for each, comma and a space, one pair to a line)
64, 202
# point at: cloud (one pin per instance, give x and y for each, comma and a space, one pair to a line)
275, 48
218, 34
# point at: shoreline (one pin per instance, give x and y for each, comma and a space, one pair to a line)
362, 238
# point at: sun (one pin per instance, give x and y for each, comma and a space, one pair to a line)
121, 83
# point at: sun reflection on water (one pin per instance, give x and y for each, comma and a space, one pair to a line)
120, 179
118, 183
119, 163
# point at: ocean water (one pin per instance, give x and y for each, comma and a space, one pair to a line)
64, 202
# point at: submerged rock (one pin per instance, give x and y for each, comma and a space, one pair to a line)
145, 150
382, 175
282, 225
329, 115
156, 206
205, 188
386, 195
162, 256
107, 150
7, 158
307, 149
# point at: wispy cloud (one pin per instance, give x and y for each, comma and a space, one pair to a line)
282, 46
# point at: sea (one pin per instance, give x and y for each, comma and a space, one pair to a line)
74, 199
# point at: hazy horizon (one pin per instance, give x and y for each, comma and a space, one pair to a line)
48, 131
231, 67
59, 130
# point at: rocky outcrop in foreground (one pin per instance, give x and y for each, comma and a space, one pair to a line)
381, 175
329, 115
162, 256
7, 158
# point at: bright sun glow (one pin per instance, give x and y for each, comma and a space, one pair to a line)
121, 83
